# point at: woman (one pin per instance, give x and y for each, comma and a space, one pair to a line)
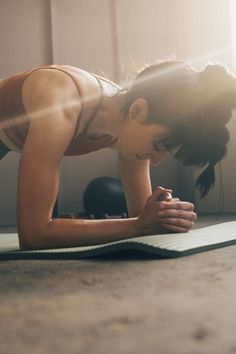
56, 111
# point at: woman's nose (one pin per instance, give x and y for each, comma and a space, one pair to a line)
157, 157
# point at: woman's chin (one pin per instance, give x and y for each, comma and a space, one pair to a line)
130, 156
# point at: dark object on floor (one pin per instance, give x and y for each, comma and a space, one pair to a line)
84, 215
104, 195
55, 210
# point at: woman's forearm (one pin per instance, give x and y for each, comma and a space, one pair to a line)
61, 233
135, 177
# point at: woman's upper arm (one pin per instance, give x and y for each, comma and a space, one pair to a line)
135, 177
38, 179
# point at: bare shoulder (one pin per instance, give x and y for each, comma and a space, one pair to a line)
52, 104
52, 95
48, 86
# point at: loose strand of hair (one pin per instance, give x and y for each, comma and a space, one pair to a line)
221, 194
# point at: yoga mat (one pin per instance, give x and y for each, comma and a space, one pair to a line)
165, 245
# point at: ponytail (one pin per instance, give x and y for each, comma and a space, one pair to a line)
206, 180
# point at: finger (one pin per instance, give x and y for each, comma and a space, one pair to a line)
167, 196
164, 189
187, 224
175, 228
157, 194
171, 199
176, 205
175, 213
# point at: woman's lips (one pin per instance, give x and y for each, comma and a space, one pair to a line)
142, 157
136, 157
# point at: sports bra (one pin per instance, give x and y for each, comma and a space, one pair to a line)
14, 122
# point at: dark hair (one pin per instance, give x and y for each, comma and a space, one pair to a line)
195, 106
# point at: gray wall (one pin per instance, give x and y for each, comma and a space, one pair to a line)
25, 42
112, 37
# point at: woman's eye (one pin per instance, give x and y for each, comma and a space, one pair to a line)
158, 146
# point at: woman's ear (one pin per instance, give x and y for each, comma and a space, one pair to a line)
139, 110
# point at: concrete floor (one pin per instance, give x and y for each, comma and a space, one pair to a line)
121, 305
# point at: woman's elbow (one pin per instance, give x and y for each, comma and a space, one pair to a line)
29, 243
31, 240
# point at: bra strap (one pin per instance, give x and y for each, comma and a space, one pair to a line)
97, 108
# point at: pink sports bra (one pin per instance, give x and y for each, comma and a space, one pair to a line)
14, 123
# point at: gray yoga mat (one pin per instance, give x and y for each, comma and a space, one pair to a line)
168, 245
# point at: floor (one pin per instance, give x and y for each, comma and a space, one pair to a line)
121, 305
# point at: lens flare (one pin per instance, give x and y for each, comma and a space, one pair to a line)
6, 123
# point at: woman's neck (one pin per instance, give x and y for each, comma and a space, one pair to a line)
109, 117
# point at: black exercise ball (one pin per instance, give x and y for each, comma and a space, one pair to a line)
104, 195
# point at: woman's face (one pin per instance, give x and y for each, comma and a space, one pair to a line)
139, 140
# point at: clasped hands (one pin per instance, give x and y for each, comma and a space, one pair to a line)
163, 214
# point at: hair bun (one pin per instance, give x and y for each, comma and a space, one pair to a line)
218, 89
214, 71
